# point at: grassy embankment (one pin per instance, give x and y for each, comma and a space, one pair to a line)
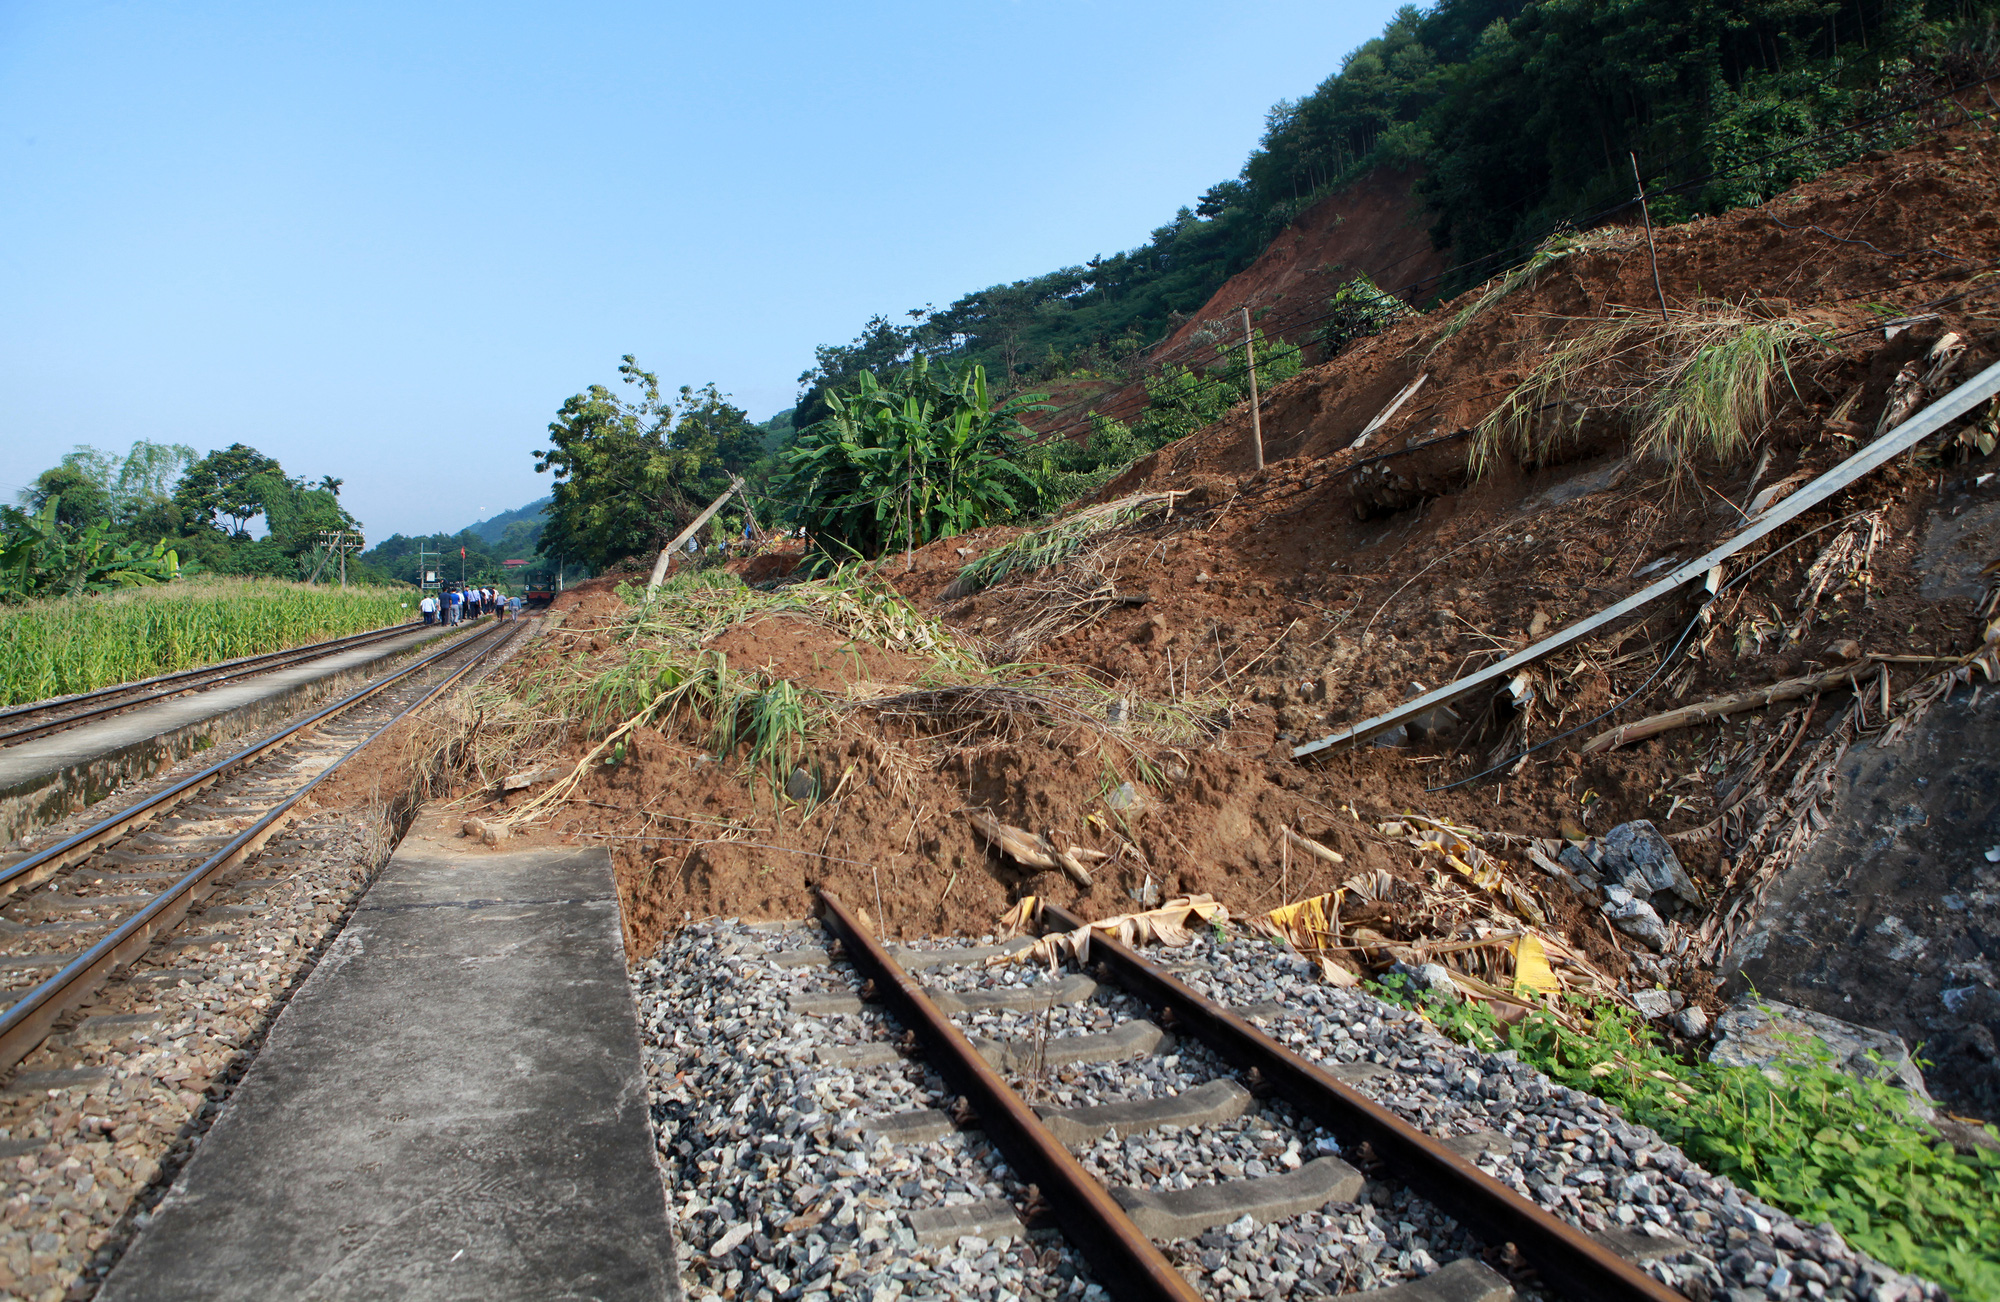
74, 644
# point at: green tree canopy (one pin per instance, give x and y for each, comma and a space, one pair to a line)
222, 485
630, 472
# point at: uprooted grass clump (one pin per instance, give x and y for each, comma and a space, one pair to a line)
1054, 544
1697, 384
1816, 1142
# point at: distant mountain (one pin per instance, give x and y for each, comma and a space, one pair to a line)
493, 530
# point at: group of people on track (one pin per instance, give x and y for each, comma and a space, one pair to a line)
455, 603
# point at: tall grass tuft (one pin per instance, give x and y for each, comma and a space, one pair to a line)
1053, 544
1698, 384
76, 644
1547, 254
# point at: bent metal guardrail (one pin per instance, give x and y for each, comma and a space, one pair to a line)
1899, 440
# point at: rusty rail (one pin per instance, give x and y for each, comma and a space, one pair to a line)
28, 1021
1568, 1259
1124, 1260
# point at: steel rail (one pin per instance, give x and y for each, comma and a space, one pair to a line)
248, 667
1124, 1260
46, 862
1568, 1259
28, 1021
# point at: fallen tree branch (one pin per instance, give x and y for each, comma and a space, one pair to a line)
1791, 689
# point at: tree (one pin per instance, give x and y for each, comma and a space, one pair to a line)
221, 484
630, 473
76, 489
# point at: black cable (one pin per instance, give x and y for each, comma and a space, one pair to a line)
1659, 669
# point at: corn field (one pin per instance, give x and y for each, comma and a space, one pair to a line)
55, 648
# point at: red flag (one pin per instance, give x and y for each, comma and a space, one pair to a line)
461, 553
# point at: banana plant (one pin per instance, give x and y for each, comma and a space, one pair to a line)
924, 455
40, 558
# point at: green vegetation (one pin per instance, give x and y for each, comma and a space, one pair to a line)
96, 521
1514, 116
1180, 400
40, 557
630, 474
925, 455
75, 644
1820, 1144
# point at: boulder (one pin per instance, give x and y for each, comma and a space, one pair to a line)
1635, 918
1636, 849
1761, 1033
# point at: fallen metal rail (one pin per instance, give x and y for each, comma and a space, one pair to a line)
1568, 1259
1904, 437
1124, 1260
184, 680
52, 859
28, 1021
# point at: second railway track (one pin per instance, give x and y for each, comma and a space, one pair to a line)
83, 907
32, 719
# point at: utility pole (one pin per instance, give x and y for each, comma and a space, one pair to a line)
341, 541
429, 564
1256, 417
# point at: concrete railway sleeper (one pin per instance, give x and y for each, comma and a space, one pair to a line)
21, 723
97, 924
815, 1153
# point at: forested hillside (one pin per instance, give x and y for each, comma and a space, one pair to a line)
1518, 118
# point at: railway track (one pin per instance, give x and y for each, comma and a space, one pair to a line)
110, 892
25, 722
1116, 1231
911, 1120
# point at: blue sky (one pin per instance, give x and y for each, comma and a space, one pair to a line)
384, 241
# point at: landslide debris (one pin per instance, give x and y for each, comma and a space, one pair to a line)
1128, 683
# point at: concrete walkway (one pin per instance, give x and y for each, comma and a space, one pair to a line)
49, 778
452, 1106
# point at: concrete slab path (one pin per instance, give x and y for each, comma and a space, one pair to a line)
452, 1106
49, 778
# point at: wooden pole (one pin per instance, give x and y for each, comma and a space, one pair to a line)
1652, 253
1256, 417
667, 552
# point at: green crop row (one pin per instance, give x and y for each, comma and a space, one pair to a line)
75, 644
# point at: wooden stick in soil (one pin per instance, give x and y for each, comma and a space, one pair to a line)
1652, 253
1256, 418
1717, 707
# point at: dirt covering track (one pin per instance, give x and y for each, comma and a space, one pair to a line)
1138, 699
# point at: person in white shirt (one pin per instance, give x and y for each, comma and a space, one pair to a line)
429, 606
